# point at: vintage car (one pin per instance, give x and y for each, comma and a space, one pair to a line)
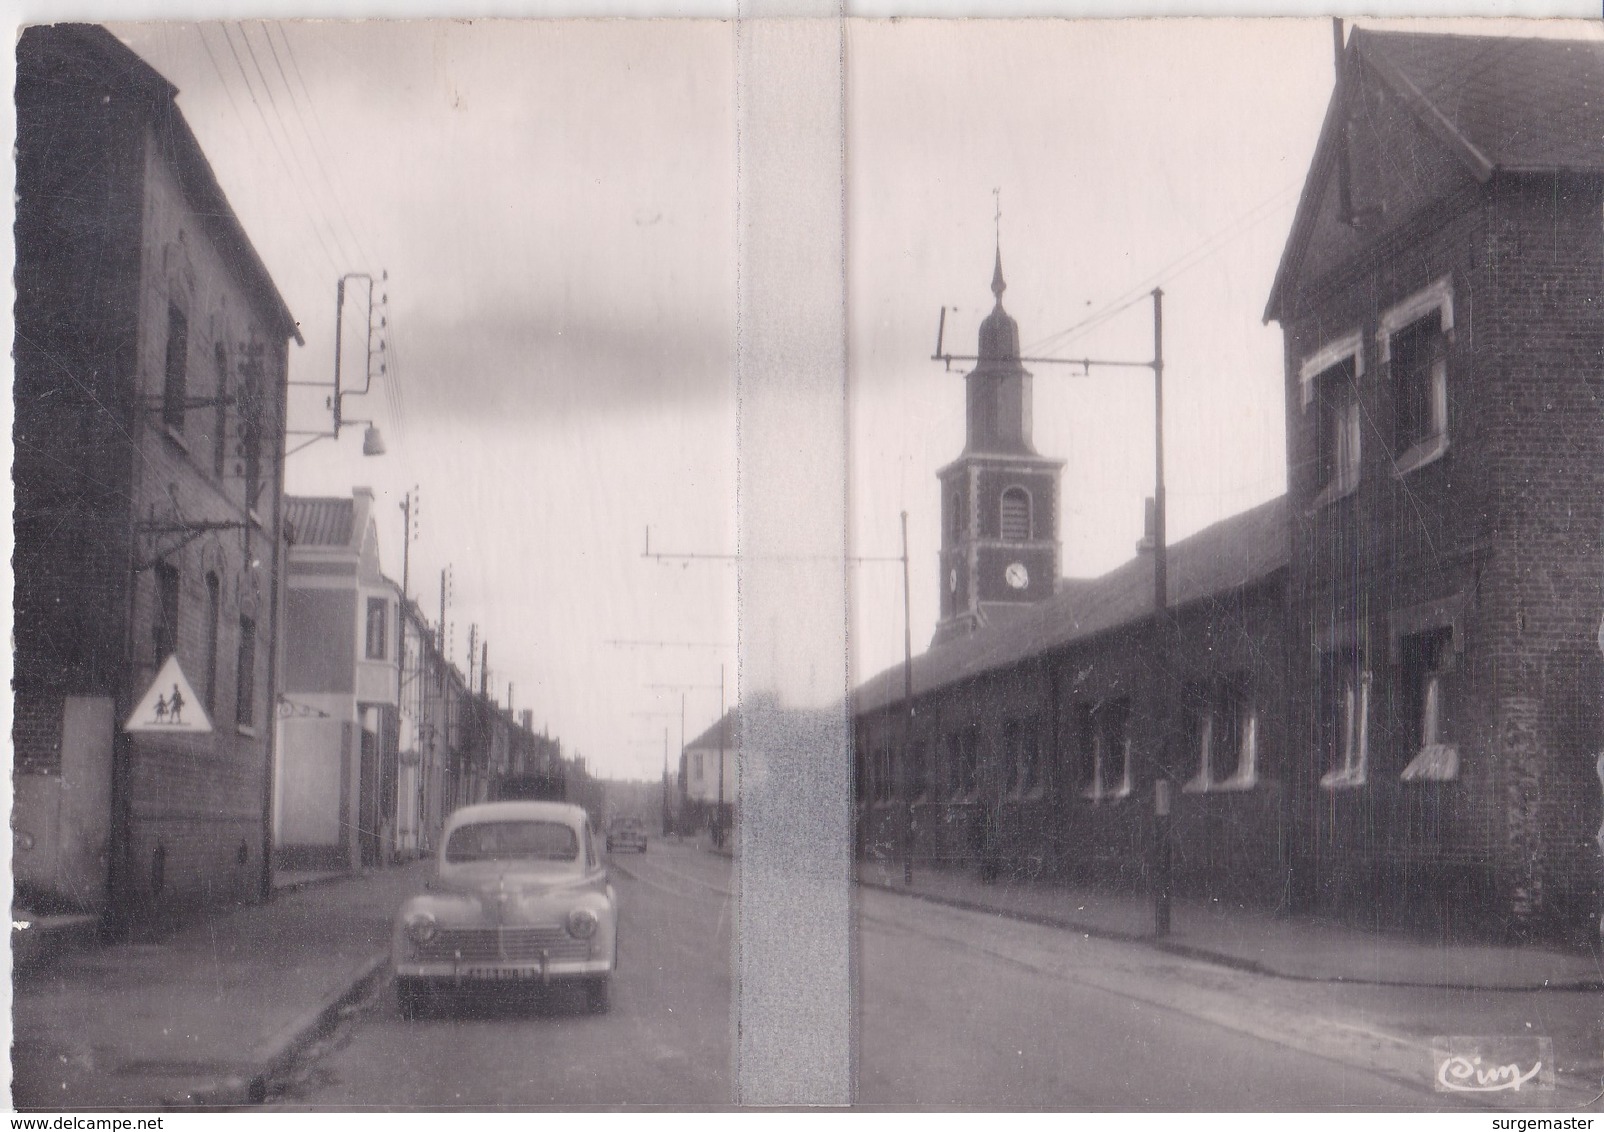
626, 833
519, 895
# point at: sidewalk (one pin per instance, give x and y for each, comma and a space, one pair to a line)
1285, 946
203, 1013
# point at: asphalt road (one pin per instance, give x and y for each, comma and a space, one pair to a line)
665, 1042
955, 1009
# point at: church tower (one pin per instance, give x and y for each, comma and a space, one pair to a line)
1000, 549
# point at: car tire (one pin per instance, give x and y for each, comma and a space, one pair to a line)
598, 994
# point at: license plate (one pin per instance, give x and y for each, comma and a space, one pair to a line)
501, 974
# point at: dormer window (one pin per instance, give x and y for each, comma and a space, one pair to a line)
1016, 514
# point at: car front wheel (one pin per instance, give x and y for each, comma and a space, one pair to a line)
598, 994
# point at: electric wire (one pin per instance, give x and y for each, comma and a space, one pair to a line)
279, 149
319, 211
1199, 253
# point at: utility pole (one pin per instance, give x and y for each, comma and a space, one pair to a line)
473, 648
1160, 851
907, 718
718, 819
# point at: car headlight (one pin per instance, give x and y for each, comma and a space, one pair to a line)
421, 927
582, 923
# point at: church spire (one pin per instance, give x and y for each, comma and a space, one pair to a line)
997, 284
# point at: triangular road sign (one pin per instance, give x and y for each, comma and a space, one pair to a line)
170, 705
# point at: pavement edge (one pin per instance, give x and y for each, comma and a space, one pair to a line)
276, 1053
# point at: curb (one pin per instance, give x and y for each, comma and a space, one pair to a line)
275, 1054
1222, 959
316, 882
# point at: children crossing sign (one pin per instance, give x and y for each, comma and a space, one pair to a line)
170, 705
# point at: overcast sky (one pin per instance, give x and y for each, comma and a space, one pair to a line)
554, 204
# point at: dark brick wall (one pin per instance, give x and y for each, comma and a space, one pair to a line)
1509, 520
108, 239
1229, 844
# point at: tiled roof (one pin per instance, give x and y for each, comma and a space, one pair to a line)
1520, 103
1233, 553
320, 520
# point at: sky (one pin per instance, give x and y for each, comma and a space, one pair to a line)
552, 208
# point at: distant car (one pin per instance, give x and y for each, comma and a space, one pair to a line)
626, 833
520, 895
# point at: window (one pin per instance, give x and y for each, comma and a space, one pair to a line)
245, 695
1425, 659
1223, 732
1102, 734
696, 766
919, 773
1016, 514
1344, 718
952, 785
1413, 338
214, 607
376, 628
166, 624
220, 428
1337, 430
969, 762
174, 390
883, 788
1021, 758
251, 417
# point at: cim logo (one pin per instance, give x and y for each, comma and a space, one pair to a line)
1493, 1065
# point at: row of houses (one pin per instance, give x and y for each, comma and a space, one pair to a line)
1379, 696
213, 681
379, 735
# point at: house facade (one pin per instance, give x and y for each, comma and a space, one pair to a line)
151, 354
338, 735
1440, 299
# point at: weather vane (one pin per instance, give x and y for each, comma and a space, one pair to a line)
996, 196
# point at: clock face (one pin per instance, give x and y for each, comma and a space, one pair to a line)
1016, 575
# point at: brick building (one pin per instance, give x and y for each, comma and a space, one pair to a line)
149, 395
1378, 697
1440, 297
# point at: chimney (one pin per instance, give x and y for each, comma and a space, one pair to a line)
1149, 528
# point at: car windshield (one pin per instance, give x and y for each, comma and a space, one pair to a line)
512, 841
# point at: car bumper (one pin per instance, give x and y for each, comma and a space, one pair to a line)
487, 974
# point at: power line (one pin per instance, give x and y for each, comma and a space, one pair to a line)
317, 154
293, 149
283, 161
1170, 271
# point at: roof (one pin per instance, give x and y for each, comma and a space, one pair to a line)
518, 811
1495, 103
725, 733
1521, 104
1230, 555
122, 68
320, 520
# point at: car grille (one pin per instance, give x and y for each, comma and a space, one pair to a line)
498, 945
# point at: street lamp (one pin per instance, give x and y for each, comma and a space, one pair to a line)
372, 441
